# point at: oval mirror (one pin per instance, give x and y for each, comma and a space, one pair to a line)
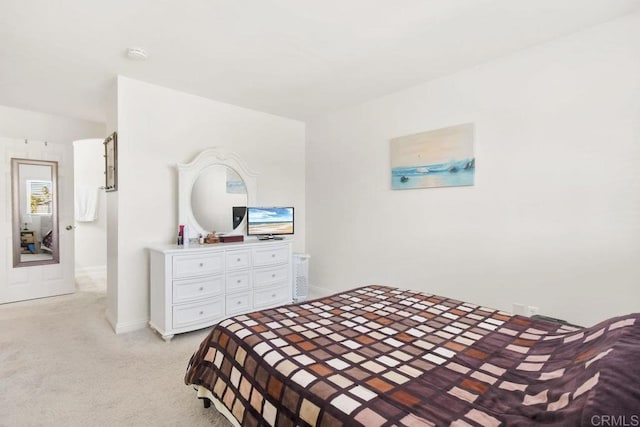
215, 193
35, 212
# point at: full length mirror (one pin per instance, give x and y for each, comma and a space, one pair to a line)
34, 188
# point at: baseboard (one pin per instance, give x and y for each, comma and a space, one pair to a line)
124, 327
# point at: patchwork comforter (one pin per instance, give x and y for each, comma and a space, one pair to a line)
380, 356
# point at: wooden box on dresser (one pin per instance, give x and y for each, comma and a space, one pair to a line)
197, 286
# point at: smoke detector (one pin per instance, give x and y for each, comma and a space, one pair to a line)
137, 53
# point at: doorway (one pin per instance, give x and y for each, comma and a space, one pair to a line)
90, 215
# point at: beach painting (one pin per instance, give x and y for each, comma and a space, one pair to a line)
235, 184
437, 158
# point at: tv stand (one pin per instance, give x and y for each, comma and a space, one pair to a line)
270, 237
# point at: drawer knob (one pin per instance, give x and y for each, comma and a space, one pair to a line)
201, 313
239, 281
273, 295
273, 255
238, 260
239, 302
201, 288
201, 264
273, 275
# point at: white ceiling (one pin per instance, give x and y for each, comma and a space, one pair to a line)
294, 58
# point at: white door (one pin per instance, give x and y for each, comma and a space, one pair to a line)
37, 281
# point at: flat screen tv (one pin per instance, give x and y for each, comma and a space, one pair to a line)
269, 223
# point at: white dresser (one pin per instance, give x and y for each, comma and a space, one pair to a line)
196, 287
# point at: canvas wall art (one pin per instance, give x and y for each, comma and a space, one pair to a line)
437, 158
235, 184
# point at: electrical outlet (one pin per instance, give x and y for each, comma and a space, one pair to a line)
532, 310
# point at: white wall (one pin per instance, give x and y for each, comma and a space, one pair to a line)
91, 237
17, 123
553, 219
111, 199
158, 128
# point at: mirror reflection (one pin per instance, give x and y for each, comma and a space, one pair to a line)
34, 186
215, 192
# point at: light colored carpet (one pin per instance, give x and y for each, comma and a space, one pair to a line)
62, 365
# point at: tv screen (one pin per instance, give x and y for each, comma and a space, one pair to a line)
269, 222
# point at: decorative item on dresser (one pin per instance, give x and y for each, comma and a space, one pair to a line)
196, 287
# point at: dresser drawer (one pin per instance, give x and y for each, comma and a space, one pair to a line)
198, 264
238, 281
270, 297
238, 303
270, 276
201, 312
193, 289
238, 259
270, 255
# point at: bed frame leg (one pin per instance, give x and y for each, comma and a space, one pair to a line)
206, 402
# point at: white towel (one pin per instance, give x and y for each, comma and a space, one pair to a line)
86, 205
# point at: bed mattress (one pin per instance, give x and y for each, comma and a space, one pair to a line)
377, 356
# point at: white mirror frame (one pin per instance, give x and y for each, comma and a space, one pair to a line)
188, 173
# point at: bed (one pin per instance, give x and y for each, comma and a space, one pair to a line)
382, 356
